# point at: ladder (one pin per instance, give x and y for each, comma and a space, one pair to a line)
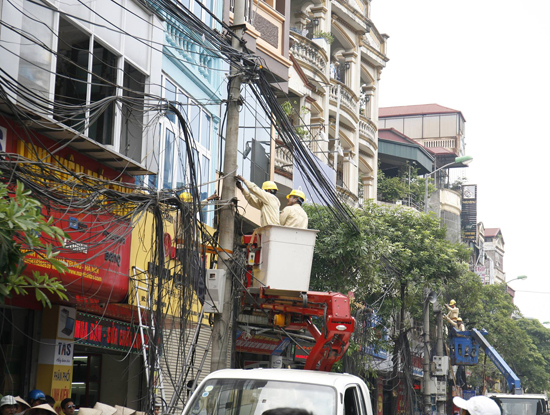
155, 371
183, 383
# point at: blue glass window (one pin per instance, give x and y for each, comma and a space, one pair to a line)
168, 159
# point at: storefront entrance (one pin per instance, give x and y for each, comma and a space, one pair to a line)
86, 379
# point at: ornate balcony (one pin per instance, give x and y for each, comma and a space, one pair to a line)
348, 101
283, 160
307, 52
367, 129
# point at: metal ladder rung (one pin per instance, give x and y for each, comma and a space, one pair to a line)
155, 368
181, 386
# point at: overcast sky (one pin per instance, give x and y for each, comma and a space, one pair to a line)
490, 60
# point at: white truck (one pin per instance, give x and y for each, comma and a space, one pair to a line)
525, 404
254, 391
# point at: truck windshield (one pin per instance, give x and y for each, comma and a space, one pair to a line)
254, 397
519, 406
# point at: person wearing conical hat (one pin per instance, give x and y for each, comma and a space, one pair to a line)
293, 214
42, 409
22, 405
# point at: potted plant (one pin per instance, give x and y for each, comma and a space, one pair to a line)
319, 34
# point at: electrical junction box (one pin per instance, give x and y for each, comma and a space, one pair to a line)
215, 289
441, 390
441, 365
431, 387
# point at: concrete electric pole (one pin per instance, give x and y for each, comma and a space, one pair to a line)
221, 334
427, 410
440, 352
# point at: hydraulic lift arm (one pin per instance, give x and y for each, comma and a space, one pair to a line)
514, 384
295, 313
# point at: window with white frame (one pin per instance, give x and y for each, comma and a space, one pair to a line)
88, 72
175, 172
195, 7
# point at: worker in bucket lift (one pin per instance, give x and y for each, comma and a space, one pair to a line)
453, 311
459, 325
263, 199
293, 214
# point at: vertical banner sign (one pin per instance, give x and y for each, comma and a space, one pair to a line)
483, 273
379, 397
55, 358
469, 213
401, 404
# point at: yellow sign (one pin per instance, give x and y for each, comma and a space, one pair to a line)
55, 358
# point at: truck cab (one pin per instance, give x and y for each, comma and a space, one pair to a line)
254, 391
526, 404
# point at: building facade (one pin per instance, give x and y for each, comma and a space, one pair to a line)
338, 56
86, 98
493, 247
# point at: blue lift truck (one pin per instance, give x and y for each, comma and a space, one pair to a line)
465, 347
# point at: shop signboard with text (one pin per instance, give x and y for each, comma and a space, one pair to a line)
469, 213
97, 254
106, 333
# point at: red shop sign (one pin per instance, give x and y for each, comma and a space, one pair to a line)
97, 255
107, 333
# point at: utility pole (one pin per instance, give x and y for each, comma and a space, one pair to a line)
427, 378
439, 350
221, 333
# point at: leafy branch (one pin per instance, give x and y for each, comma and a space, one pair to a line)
22, 232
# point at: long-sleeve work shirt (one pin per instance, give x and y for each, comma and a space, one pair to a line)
267, 203
294, 216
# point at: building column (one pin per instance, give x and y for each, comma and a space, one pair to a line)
319, 18
55, 358
368, 187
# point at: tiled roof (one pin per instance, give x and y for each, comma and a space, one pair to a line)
491, 232
438, 151
423, 109
391, 134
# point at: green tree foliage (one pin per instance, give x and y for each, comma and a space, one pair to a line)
397, 252
406, 186
21, 228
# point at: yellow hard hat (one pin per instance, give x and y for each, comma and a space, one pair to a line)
186, 197
269, 186
298, 193
452, 302
459, 319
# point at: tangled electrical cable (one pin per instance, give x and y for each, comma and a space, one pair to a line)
112, 198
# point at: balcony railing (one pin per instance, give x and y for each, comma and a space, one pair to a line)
348, 98
367, 129
283, 160
445, 142
307, 51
